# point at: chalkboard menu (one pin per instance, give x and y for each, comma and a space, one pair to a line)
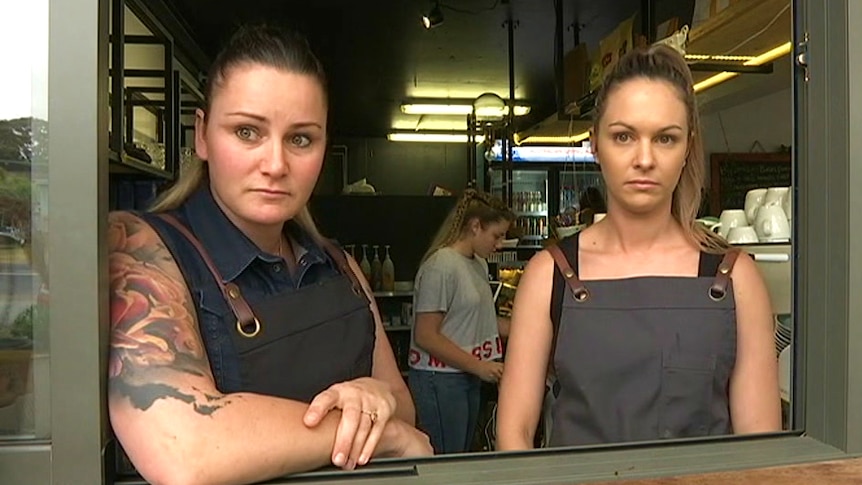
734, 174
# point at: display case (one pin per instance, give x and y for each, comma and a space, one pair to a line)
545, 181
529, 202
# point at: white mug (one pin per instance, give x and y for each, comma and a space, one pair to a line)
753, 201
771, 224
787, 205
742, 235
729, 219
775, 195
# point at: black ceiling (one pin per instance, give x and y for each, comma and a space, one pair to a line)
377, 53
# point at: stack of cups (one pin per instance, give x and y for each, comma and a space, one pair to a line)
765, 218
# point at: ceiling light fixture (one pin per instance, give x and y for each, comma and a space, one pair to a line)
452, 108
433, 137
434, 17
760, 60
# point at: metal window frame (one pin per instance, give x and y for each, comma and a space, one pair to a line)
828, 281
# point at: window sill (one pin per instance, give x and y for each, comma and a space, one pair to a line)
591, 464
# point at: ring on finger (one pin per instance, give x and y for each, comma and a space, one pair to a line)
372, 415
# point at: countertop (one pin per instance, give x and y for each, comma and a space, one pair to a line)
838, 472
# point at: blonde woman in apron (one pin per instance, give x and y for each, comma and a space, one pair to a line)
653, 327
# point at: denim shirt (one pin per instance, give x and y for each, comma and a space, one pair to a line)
257, 273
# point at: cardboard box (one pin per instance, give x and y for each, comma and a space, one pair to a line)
576, 71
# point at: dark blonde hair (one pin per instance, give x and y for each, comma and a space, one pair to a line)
263, 45
663, 63
472, 205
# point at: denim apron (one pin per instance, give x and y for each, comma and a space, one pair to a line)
293, 344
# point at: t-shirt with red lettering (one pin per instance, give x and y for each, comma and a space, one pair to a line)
457, 286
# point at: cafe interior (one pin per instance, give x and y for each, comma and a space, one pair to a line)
427, 99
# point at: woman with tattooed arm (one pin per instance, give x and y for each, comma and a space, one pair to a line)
244, 345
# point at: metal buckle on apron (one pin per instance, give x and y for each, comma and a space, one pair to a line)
718, 290
242, 331
245, 315
579, 291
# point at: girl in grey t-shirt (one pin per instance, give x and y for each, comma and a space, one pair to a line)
456, 338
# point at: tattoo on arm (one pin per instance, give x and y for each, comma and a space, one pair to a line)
153, 334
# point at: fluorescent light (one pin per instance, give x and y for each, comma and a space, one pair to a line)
552, 139
456, 109
433, 137
437, 109
767, 56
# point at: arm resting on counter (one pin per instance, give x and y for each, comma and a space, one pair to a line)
163, 404
522, 388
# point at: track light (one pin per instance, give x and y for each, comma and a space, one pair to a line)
434, 17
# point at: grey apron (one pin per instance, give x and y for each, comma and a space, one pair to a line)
641, 358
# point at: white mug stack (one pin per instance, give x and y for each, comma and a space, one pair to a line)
766, 218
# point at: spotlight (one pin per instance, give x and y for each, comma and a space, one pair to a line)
434, 17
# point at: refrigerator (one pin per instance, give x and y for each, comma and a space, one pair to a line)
546, 181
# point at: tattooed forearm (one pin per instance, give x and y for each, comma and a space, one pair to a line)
154, 337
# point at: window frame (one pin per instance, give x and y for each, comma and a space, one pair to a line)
827, 280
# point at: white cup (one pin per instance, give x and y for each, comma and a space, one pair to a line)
753, 201
771, 224
787, 205
742, 235
729, 219
775, 195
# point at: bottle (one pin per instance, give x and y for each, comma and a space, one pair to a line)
376, 269
388, 273
364, 265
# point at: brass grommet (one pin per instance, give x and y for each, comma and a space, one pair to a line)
246, 334
569, 273
582, 294
233, 293
724, 269
717, 294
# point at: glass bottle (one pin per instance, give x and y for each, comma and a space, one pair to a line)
388, 273
364, 265
376, 269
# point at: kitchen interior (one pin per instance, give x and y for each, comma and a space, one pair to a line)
428, 98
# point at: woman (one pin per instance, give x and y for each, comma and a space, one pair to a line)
456, 339
244, 345
655, 328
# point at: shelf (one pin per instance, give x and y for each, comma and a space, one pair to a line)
397, 328
392, 294
132, 166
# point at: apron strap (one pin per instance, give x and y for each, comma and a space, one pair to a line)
579, 291
718, 290
247, 323
340, 258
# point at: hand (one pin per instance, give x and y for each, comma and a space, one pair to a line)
366, 405
490, 371
401, 440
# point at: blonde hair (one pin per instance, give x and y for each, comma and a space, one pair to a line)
250, 44
663, 63
472, 205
